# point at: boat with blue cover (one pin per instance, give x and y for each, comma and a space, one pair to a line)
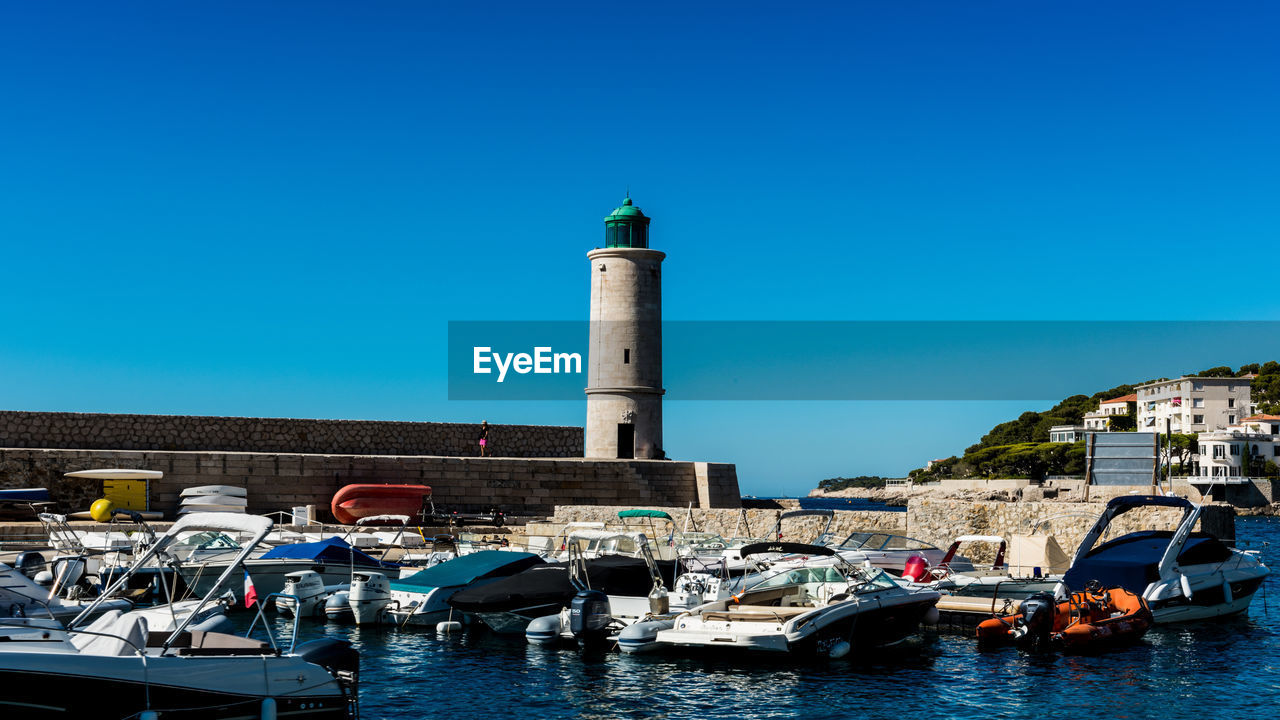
1181, 573
332, 559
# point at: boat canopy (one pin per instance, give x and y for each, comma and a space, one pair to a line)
333, 550
226, 522
803, 512
638, 538
466, 569
788, 548
25, 495
1132, 561
116, 474
624, 514
1129, 502
549, 583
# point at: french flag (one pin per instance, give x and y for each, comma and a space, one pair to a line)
250, 592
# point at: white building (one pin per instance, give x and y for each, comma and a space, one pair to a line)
1262, 424
1192, 404
1066, 433
1098, 419
1223, 452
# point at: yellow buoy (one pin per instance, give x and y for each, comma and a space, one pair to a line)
102, 509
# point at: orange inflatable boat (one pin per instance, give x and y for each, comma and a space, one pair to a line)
1086, 621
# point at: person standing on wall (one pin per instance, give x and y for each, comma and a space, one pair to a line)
484, 438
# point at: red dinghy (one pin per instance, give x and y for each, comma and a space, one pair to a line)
360, 501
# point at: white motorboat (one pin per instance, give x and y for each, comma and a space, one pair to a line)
827, 610
700, 583
52, 672
891, 552
1183, 575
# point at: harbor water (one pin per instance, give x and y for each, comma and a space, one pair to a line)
1225, 669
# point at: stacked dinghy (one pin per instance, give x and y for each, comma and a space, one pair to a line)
214, 498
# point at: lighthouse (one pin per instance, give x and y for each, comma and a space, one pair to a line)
624, 365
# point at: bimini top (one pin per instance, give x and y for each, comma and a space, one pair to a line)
788, 548
1129, 502
334, 550
466, 569
624, 514
803, 512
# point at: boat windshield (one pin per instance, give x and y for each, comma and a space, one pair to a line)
883, 541
874, 580
615, 545
800, 576
208, 540
702, 541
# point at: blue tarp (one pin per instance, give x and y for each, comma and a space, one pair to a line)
466, 569
1132, 561
25, 495
334, 550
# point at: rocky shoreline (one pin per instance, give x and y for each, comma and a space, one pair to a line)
898, 497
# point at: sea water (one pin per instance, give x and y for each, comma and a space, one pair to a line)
1223, 669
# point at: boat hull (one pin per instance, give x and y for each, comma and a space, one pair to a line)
357, 501
38, 694
867, 628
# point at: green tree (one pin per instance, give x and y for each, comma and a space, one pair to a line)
861, 481
1220, 371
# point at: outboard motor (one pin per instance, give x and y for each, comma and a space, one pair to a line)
343, 663
29, 563
1036, 625
916, 569
590, 616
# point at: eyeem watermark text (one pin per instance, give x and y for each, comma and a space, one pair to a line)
542, 362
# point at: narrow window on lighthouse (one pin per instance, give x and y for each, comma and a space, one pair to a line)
626, 356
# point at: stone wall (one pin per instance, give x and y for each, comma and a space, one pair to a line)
746, 523
935, 521
279, 481
940, 521
96, 431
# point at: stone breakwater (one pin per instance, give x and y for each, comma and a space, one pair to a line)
937, 521
279, 481
743, 523
100, 431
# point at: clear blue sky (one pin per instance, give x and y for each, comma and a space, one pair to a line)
275, 208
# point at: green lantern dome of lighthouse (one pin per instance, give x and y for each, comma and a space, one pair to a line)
626, 227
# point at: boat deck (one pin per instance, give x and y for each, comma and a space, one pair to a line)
755, 613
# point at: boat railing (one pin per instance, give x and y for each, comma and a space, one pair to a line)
271, 637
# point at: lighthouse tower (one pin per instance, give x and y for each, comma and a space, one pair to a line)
624, 365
